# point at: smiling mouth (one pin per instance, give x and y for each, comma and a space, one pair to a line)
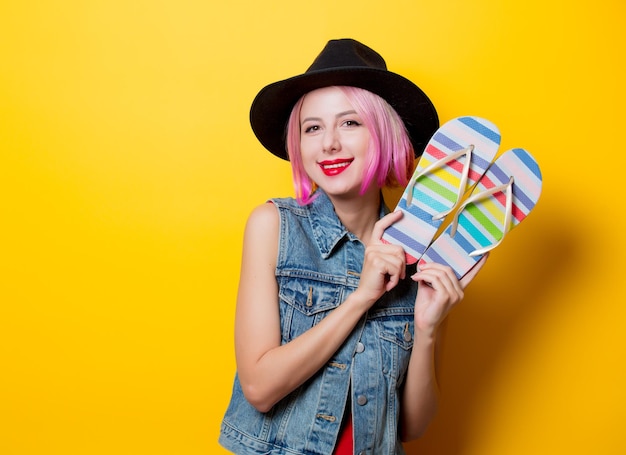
334, 167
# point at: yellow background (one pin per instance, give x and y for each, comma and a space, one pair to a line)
128, 168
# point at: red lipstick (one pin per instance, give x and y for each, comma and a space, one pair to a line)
334, 167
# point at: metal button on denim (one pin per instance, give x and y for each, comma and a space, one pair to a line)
360, 347
361, 400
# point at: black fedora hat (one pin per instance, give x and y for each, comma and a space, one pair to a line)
343, 62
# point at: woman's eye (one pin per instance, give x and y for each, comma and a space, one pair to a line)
351, 123
311, 129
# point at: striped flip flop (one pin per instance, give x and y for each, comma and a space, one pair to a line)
502, 198
454, 159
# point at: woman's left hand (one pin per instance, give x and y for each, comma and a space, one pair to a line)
439, 291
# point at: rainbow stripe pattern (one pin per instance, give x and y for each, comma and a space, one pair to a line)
501, 200
455, 158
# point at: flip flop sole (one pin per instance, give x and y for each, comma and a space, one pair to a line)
501, 200
438, 184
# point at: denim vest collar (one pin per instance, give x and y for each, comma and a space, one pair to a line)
328, 230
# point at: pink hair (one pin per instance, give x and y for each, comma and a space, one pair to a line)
390, 155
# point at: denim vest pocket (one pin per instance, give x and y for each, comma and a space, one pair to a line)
307, 301
396, 334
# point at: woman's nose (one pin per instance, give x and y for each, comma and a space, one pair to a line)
331, 142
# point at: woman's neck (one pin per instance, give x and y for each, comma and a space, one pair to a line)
360, 214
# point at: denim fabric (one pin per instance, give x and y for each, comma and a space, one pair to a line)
318, 266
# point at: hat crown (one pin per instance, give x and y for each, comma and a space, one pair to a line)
342, 62
345, 53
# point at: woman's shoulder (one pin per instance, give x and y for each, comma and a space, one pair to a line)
277, 210
263, 216
268, 216
261, 232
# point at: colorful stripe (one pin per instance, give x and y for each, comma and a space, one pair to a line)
481, 223
493, 135
437, 191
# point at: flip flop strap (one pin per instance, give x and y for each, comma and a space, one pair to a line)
439, 163
507, 189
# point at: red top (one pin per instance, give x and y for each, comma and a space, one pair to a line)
345, 445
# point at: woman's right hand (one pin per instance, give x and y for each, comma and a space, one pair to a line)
384, 264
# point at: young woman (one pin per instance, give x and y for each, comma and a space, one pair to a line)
335, 336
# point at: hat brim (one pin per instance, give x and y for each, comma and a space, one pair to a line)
273, 104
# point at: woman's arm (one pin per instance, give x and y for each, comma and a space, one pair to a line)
268, 371
439, 291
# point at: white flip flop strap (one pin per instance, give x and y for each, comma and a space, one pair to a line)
507, 188
439, 163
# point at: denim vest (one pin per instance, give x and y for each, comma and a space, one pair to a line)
318, 266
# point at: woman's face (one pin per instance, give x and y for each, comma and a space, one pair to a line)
333, 142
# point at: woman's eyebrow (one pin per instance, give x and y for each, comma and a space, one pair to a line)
311, 119
350, 112
339, 115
